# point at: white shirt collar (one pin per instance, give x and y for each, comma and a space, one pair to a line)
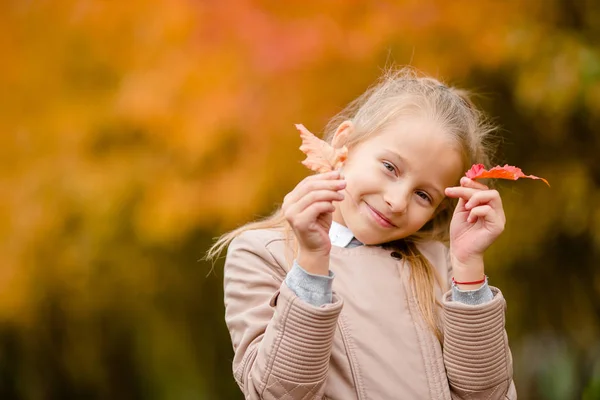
340, 235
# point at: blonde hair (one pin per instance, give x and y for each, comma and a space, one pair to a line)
404, 92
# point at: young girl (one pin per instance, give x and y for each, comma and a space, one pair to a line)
349, 291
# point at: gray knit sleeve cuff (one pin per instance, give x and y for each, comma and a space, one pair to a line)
313, 289
473, 297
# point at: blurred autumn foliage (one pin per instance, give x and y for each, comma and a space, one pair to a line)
135, 132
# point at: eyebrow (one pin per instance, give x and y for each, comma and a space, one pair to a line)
436, 190
402, 160
395, 155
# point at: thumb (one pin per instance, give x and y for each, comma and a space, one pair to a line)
470, 183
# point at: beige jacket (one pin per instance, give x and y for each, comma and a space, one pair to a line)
370, 343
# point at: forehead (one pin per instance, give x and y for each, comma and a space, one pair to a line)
416, 133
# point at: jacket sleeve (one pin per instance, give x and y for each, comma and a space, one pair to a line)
476, 353
282, 345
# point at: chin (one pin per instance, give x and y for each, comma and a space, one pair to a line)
368, 238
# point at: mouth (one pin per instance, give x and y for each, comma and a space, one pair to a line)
380, 218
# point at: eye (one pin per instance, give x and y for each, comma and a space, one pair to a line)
389, 166
424, 196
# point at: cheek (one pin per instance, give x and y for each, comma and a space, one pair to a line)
427, 218
362, 182
352, 187
351, 198
421, 216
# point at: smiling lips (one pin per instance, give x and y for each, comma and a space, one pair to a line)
380, 218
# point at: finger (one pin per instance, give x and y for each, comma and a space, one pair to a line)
460, 206
324, 175
319, 195
313, 197
486, 212
459, 192
307, 186
312, 212
312, 185
466, 182
317, 177
491, 197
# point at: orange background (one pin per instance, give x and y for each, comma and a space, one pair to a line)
133, 133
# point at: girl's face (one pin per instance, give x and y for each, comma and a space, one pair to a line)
396, 180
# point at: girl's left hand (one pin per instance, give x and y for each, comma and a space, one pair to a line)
477, 222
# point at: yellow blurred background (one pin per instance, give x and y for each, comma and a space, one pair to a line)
132, 133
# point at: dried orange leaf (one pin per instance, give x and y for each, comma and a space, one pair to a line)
478, 171
320, 155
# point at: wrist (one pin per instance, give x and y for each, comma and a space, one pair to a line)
314, 263
468, 270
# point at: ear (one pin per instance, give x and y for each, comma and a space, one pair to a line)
340, 137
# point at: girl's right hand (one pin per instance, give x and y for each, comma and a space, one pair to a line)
308, 208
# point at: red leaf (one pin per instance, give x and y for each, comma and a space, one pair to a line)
320, 155
478, 171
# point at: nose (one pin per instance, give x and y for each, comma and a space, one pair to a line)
397, 198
